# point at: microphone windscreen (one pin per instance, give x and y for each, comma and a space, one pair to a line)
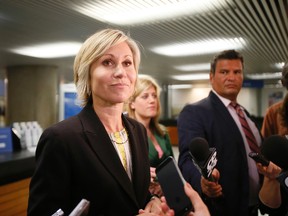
275, 149
199, 149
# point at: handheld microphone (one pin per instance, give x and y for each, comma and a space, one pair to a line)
275, 149
81, 209
203, 157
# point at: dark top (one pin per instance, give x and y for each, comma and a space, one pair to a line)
165, 145
76, 160
281, 211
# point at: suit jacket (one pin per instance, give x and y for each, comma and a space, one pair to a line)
210, 119
76, 159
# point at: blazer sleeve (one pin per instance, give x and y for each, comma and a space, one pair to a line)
189, 126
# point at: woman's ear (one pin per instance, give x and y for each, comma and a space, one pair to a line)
132, 106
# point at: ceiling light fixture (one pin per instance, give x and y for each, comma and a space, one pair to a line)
279, 65
180, 86
263, 76
199, 48
52, 50
186, 77
193, 67
131, 12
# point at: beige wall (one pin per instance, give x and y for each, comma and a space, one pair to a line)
253, 99
32, 94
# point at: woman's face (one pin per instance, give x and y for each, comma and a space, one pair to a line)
146, 104
113, 76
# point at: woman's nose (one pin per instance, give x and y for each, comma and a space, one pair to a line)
152, 99
119, 70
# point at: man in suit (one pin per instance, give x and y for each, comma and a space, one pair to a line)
236, 180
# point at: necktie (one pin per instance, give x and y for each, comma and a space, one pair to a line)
247, 130
120, 146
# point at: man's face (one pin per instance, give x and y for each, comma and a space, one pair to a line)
228, 78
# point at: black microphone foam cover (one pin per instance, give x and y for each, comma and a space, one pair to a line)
199, 148
275, 149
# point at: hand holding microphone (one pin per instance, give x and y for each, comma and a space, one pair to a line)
204, 158
271, 171
211, 188
275, 149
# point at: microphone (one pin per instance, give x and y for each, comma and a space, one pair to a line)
81, 209
275, 149
203, 157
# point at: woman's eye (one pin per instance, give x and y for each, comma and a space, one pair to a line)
127, 63
107, 62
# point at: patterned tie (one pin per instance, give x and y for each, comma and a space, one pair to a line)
247, 130
120, 146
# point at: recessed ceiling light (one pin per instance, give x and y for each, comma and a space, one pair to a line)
193, 67
130, 12
180, 86
186, 77
52, 50
262, 76
279, 65
199, 48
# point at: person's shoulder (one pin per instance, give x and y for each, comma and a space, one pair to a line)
197, 105
275, 107
277, 104
133, 122
163, 128
68, 124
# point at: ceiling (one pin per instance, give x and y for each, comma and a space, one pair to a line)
263, 24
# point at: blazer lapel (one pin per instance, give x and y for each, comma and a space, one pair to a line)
228, 121
140, 159
100, 143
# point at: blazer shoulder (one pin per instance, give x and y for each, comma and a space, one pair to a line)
133, 124
69, 122
198, 106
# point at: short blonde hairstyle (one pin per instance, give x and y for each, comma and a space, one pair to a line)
144, 82
92, 50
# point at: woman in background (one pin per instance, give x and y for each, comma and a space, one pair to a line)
276, 118
144, 106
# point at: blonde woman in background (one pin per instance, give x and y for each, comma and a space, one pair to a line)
144, 106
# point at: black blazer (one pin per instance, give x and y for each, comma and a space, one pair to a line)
76, 159
210, 119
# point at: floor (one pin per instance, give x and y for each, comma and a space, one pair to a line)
176, 155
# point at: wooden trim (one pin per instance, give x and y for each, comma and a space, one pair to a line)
14, 198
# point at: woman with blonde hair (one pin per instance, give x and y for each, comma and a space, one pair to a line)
99, 154
144, 106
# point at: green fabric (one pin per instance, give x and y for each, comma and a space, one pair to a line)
166, 147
